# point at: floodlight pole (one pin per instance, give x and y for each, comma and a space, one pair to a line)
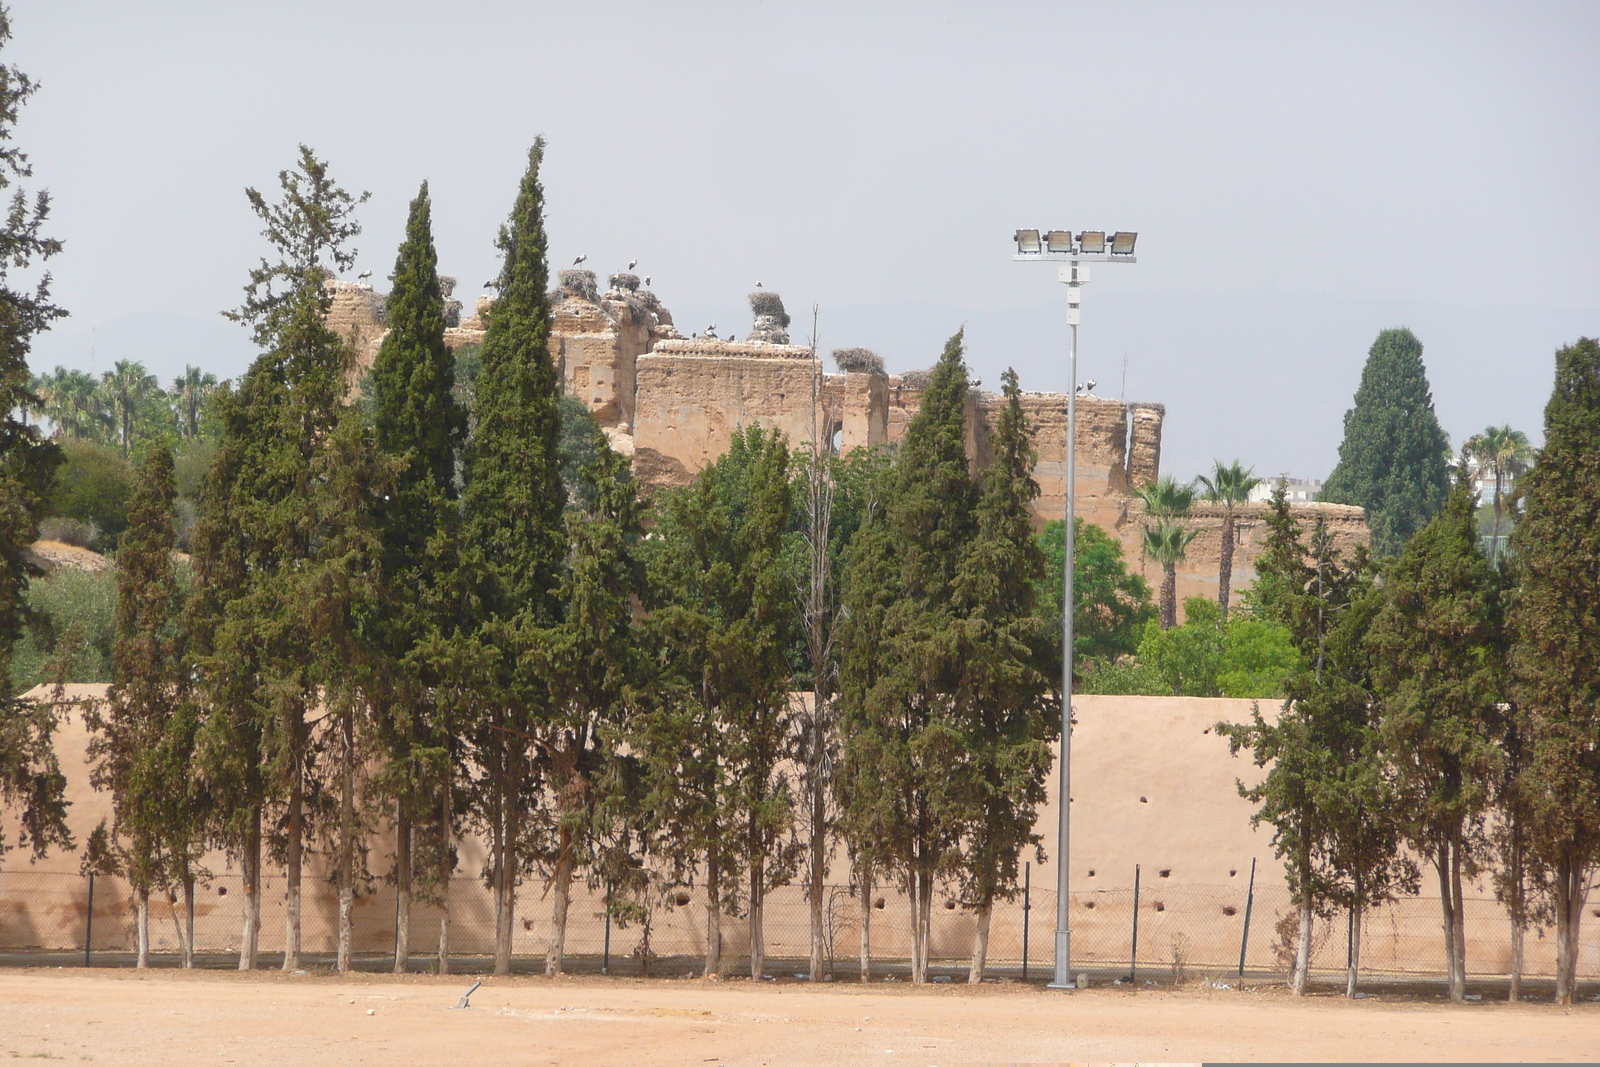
1074, 276
1063, 975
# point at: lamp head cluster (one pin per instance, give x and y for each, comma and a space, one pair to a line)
1089, 244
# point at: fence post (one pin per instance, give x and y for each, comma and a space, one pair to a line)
88, 933
605, 966
1133, 963
1027, 905
1249, 901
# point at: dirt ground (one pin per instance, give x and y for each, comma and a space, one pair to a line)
166, 1017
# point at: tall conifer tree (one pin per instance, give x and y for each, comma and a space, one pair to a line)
718, 734
1003, 715
278, 642
1394, 460
1557, 653
145, 696
898, 672
419, 426
588, 664
30, 776
1438, 670
512, 538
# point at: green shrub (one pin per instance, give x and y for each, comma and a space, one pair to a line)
94, 485
1205, 657
73, 624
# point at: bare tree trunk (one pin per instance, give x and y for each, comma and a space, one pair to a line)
183, 921
1301, 974
916, 927
291, 931
347, 844
866, 922
818, 843
980, 945
505, 914
1447, 902
1458, 981
561, 891
402, 887
1225, 564
1355, 952
925, 927
1169, 596
757, 904
142, 927
1517, 932
250, 872
1569, 893
713, 915
446, 869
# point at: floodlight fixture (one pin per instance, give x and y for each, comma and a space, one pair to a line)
1028, 243
1092, 242
1122, 243
1058, 242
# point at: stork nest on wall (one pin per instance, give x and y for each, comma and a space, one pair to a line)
581, 284
858, 360
765, 302
917, 379
624, 282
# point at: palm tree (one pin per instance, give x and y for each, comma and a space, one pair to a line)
1165, 540
191, 390
1167, 543
126, 385
1229, 486
1508, 455
72, 403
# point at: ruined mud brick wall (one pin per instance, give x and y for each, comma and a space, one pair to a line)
596, 341
693, 394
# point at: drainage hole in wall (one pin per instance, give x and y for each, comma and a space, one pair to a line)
1144, 800
1229, 909
1160, 906
1165, 872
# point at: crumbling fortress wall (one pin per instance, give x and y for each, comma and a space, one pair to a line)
672, 403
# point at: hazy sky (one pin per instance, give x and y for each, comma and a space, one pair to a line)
1301, 177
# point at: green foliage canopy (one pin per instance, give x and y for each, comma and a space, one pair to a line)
1394, 460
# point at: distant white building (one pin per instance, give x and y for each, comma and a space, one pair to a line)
1483, 481
1298, 490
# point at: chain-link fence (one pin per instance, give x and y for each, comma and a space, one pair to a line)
1161, 930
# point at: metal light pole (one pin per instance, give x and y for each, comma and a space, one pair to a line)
1090, 246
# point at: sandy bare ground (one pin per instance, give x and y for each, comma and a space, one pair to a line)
210, 1017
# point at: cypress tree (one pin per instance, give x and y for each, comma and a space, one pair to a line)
278, 642
1327, 791
30, 777
512, 537
1557, 653
1437, 669
899, 670
1004, 713
419, 426
717, 737
588, 663
144, 696
1394, 460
